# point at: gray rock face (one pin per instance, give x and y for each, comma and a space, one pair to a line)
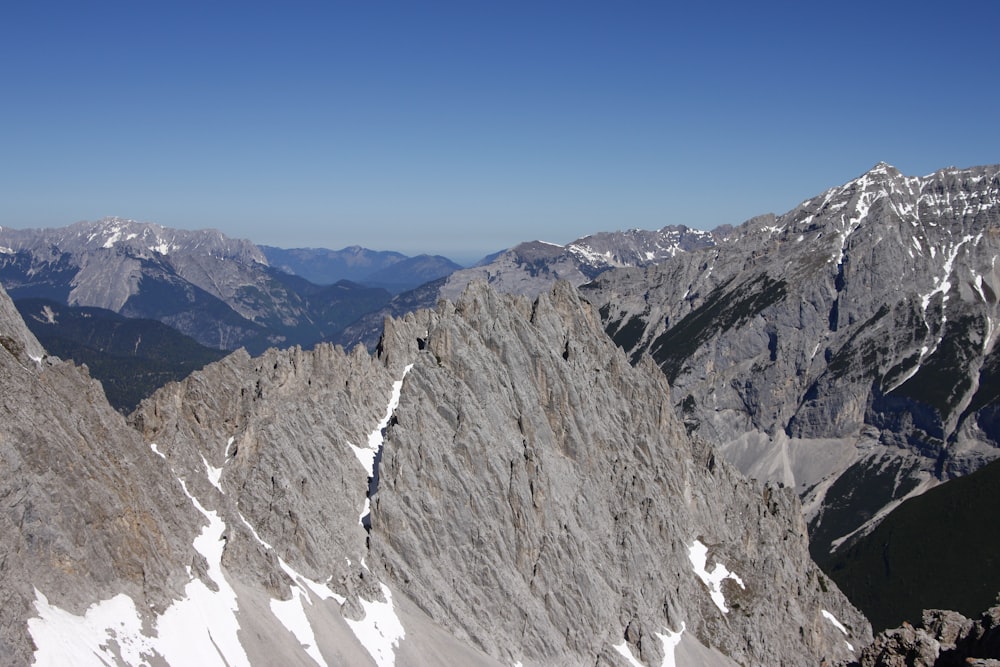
845, 348
538, 497
86, 513
532, 497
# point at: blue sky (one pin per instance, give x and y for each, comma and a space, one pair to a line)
461, 128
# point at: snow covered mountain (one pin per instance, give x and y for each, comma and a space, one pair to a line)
846, 348
496, 486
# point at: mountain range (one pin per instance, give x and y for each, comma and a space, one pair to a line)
217, 290
532, 267
487, 478
390, 270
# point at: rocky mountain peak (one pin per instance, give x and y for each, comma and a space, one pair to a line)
852, 333
145, 238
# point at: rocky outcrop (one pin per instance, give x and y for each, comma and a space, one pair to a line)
944, 639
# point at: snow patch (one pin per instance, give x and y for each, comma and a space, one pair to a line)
380, 630
292, 614
64, 639
698, 554
367, 455
214, 474
624, 650
840, 626
670, 641
833, 619
156, 451
201, 628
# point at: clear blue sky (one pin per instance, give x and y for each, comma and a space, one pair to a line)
465, 127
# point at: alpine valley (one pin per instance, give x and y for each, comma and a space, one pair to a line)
643, 448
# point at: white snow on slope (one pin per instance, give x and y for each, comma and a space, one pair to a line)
366, 455
626, 653
670, 642
292, 614
214, 474
837, 624
942, 284
380, 630
201, 628
64, 639
698, 553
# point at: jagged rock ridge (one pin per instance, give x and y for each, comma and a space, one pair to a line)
567, 501
942, 639
531, 503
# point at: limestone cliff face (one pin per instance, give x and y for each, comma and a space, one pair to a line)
538, 496
496, 484
279, 430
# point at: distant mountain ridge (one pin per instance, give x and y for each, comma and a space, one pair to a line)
323, 266
393, 271
532, 267
218, 290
